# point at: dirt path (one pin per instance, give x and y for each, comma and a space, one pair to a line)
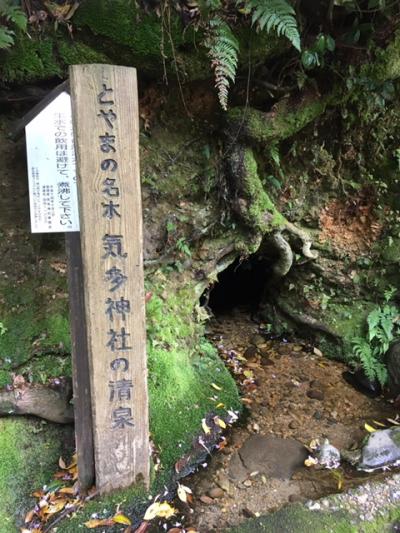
292, 392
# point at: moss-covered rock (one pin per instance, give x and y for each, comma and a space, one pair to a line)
29, 452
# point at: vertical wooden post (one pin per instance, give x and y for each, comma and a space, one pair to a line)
106, 131
80, 363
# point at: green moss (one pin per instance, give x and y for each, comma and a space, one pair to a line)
287, 118
182, 368
298, 519
73, 53
35, 321
387, 63
152, 41
389, 250
261, 213
29, 452
30, 59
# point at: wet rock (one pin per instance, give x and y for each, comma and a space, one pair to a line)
318, 415
360, 382
250, 352
276, 457
257, 340
381, 450
216, 492
315, 394
237, 471
328, 456
393, 366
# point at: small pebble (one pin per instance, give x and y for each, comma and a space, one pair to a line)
206, 499
315, 394
247, 483
257, 340
250, 352
216, 492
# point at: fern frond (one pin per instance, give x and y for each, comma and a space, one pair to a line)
6, 38
278, 16
15, 15
369, 360
223, 51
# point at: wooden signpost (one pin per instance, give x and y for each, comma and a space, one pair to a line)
105, 266
106, 129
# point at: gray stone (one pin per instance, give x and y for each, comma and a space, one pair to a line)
382, 450
237, 471
273, 456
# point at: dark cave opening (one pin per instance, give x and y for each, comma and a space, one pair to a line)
241, 284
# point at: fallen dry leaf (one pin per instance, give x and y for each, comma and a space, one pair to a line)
183, 492
119, 518
206, 429
160, 509
95, 522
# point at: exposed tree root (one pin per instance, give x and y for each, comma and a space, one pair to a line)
285, 260
308, 321
48, 402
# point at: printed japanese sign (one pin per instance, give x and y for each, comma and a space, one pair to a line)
51, 169
104, 101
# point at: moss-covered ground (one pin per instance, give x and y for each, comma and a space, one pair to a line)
29, 452
298, 519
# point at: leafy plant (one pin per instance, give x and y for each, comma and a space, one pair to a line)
223, 50
314, 56
183, 246
383, 326
11, 18
278, 16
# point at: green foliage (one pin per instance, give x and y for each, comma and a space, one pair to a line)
223, 50
183, 246
278, 16
315, 55
383, 326
11, 18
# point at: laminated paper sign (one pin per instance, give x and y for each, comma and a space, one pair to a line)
51, 169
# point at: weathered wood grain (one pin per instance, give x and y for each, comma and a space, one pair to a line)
80, 362
111, 242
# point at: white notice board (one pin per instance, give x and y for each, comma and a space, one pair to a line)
51, 169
